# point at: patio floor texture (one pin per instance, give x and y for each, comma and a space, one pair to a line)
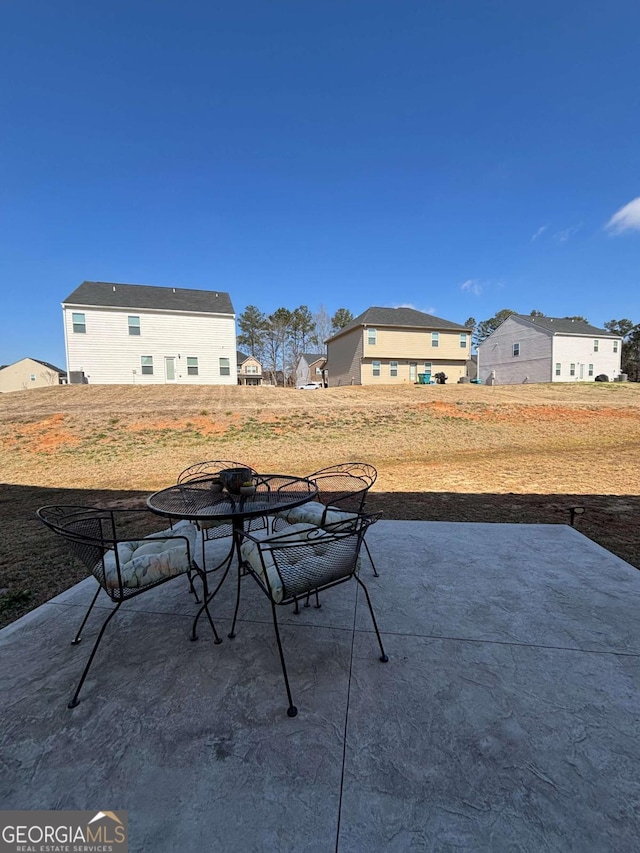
507, 718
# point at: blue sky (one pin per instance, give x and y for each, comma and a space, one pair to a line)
453, 155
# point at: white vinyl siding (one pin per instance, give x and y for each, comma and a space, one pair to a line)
108, 354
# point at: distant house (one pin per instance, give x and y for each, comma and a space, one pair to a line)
30, 373
548, 349
310, 368
391, 346
249, 369
132, 333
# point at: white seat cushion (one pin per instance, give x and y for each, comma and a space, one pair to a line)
144, 562
297, 533
317, 514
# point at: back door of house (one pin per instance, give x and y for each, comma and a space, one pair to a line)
413, 371
170, 368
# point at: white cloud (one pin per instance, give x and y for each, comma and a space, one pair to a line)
539, 232
567, 233
472, 285
625, 219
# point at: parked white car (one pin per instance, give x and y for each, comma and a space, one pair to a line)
310, 386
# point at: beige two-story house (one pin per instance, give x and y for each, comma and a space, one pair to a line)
249, 369
391, 346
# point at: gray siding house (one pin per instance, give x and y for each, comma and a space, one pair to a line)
310, 368
548, 349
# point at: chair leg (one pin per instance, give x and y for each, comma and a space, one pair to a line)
78, 636
373, 565
383, 655
192, 588
291, 710
75, 700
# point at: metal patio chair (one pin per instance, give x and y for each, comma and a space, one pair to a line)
342, 491
124, 566
301, 559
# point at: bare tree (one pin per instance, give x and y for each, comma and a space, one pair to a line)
322, 328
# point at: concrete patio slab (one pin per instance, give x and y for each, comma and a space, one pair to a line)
506, 718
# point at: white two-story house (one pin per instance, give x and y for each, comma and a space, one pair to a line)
548, 349
133, 333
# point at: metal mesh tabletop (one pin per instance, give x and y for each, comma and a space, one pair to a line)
196, 500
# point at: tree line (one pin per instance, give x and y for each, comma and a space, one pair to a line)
625, 328
277, 340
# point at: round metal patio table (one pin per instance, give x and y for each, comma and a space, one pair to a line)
196, 501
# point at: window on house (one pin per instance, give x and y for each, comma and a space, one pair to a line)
463, 340
590, 370
596, 345
146, 363
134, 325
516, 349
251, 368
33, 377
318, 371
572, 370
615, 346
79, 323
427, 367
372, 334
192, 365
375, 368
435, 339
558, 368
225, 370
393, 368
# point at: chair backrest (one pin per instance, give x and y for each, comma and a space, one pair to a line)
209, 469
298, 561
88, 531
345, 485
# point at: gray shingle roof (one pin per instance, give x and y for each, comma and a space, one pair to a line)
402, 317
106, 294
563, 326
50, 366
39, 361
310, 357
